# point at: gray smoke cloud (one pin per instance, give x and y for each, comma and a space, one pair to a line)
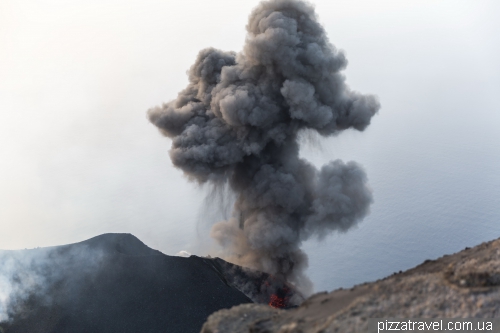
238, 121
29, 275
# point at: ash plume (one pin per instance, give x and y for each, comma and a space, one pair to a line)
237, 124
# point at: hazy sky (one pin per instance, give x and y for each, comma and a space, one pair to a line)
78, 157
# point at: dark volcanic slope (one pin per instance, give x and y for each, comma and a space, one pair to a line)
114, 283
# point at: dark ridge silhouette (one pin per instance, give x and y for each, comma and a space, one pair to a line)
111, 283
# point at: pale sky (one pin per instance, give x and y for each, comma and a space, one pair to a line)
79, 158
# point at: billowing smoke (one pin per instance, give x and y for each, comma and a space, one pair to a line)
237, 124
30, 278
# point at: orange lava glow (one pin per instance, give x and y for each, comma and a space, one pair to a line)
277, 302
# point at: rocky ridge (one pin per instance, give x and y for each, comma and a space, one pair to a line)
462, 285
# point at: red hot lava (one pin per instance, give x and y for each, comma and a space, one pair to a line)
278, 302
260, 287
280, 298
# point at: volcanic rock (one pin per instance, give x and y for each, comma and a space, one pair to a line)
110, 283
462, 285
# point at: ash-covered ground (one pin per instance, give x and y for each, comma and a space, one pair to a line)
462, 285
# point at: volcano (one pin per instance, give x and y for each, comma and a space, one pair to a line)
260, 287
115, 283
